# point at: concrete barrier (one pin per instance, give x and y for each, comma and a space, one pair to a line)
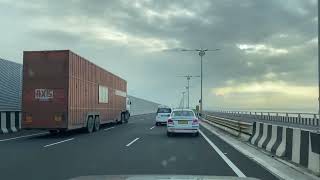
10, 121
296, 145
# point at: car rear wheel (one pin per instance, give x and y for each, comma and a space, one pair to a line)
157, 124
96, 123
169, 134
90, 125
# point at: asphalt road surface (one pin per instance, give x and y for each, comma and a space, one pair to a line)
138, 147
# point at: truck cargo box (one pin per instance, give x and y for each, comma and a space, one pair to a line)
62, 90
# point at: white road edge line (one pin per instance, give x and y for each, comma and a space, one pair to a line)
58, 142
223, 156
260, 161
108, 128
152, 127
2, 140
136, 139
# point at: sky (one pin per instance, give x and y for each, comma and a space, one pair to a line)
267, 59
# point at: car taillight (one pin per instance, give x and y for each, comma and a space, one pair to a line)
170, 121
195, 121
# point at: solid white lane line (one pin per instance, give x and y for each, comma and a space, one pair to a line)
108, 128
136, 139
58, 142
223, 156
152, 127
2, 140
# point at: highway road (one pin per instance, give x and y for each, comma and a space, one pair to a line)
134, 148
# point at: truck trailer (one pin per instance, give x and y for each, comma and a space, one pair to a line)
63, 91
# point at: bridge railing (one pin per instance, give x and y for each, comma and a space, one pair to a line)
309, 119
238, 128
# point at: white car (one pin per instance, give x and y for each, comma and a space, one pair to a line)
182, 121
163, 113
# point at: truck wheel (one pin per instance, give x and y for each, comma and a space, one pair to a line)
96, 123
53, 132
118, 122
126, 117
196, 134
121, 119
90, 125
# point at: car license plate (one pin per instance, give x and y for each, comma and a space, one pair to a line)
182, 122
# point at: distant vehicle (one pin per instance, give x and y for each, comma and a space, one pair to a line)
182, 121
163, 114
63, 91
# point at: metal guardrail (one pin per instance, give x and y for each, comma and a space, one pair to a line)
239, 126
280, 113
285, 117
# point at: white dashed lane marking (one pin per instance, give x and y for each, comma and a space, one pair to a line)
136, 139
48, 145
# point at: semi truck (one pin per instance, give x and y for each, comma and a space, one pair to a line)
63, 91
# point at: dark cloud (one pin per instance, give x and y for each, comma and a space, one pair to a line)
147, 24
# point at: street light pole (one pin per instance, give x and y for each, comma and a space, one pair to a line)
188, 92
201, 100
183, 99
188, 89
188, 76
318, 64
201, 53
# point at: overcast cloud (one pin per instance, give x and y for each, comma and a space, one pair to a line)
268, 57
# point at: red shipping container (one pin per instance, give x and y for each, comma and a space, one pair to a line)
63, 91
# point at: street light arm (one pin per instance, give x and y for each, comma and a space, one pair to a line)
212, 49
182, 49
181, 76
188, 50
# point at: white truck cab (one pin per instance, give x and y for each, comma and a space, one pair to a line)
128, 109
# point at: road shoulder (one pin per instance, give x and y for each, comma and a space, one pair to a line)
275, 167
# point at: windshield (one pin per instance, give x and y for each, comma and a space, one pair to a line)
159, 87
164, 110
182, 113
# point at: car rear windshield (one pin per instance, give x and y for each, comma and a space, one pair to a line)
182, 113
164, 110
